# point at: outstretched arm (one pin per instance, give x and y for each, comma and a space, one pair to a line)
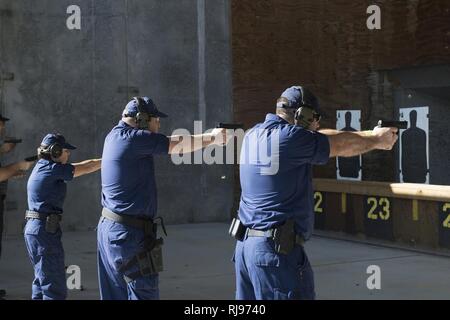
7, 147
15, 169
86, 167
353, 143
186, 144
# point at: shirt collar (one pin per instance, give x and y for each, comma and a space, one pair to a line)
123, 124
274, 118
45, 161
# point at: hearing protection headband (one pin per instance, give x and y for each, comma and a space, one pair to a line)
141, 117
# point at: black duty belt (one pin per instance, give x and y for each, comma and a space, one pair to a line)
41, 216
270, 233
142, 224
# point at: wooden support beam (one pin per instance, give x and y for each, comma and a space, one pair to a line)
385, 189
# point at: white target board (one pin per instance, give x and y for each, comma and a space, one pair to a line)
348, 168
414, 146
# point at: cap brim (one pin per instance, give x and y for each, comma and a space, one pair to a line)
4, 119
161, 114
68, 146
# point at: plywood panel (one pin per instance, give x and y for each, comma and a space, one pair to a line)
326, 46
335, 219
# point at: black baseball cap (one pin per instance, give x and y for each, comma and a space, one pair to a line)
2, 118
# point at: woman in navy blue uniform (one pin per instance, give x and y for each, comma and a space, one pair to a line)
46, 190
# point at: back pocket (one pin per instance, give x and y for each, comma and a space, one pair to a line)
266, 259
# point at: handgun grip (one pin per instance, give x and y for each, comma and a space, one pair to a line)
13, 141
233, 126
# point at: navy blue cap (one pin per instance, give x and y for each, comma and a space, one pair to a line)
53, 138
298, 96
147, 106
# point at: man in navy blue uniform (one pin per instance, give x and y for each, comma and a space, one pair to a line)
5, 148
46, 191
276, 209
129, 253
7, 172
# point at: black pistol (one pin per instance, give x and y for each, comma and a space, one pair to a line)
232, 126
31, 159
13, 141
393, 124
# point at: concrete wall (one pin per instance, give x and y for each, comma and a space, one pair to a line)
77, 83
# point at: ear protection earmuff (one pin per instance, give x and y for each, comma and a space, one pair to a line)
141, 117
54, 150
305, 114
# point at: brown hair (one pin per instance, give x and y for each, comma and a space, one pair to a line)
43, 155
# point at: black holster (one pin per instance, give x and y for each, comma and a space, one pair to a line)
284, 237
150, 259
52, 223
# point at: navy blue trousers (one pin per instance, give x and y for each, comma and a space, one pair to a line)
47, 257
263, 274
117, 244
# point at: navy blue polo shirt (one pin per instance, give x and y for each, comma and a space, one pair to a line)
276, 174
47, 187
128, 172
